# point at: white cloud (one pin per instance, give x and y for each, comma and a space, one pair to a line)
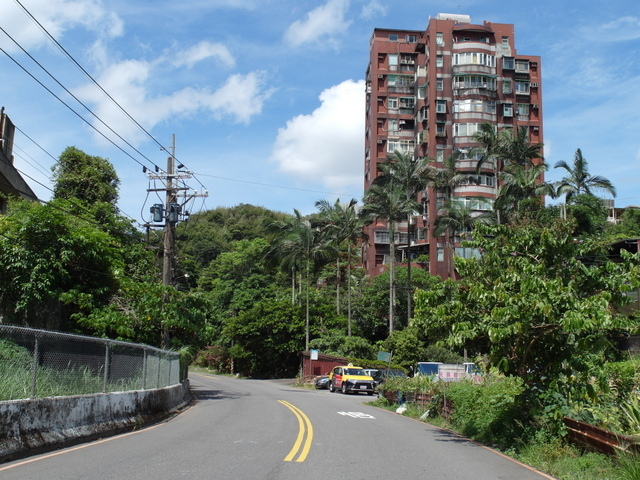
240, 98
202, 51
327, 20
618, 30
373, 9
57, 17
326, 145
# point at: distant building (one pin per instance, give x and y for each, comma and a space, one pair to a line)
11, 182
427, 94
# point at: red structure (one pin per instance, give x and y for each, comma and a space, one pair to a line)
427, 94
321, 366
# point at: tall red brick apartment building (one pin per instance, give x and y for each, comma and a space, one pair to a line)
427, 93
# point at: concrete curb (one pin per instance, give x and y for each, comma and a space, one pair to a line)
33, 426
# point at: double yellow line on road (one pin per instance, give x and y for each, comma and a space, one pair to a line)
305, 429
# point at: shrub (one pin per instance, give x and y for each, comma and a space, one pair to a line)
213, 357
488, 412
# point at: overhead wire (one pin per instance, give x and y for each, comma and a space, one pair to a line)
97, 84
76, 98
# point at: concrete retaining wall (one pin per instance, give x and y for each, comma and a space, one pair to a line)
29, 427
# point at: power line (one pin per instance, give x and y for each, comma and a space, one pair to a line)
277, 186
97, 84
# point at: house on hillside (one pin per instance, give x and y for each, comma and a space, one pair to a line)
11, 182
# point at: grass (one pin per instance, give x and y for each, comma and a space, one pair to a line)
16, 377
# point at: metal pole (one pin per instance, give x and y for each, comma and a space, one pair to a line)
36, 357
107, 361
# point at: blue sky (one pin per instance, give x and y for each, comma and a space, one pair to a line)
266, 98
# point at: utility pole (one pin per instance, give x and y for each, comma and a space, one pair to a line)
170, 213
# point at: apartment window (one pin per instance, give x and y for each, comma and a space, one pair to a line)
475, 81
507, 110
393, 37
392, 103
440, 254
507, 86
393, 61
439, 38
473, 105
482, 180
441, 106
522, 87
411, 39
522, 109
381, 236
470, 154
440, 156
422, 93
422, 71
508, 63
505, 41
400, 80
474, 58
439, 61
439, 84
406, 146
441, 129
465, 129
407, 102
393, 125
522, 65
475, 203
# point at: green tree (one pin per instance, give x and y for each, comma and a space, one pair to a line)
459, 220
84, 177
344, 226
237, 279
515, 147
391, 204
508, 151
300, 246
521, 182
445, 180
534, 306
54, 265
578, 179
265, 340
412, 174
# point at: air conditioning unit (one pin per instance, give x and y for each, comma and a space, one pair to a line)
534, 85
379, 142
380, 75
535, 106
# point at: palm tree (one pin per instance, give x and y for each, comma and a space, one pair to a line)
579, 180
521, 182
298, 245
343, 225
413, 175
389, 203
516, 148
459, 219
445, 180
504, 149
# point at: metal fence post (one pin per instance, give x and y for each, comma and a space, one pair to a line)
36, 356
144, 369
107, 361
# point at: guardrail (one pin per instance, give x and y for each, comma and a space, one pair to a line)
39, 363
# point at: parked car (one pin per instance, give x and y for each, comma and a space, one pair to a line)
382, 375
350, 379
322, 382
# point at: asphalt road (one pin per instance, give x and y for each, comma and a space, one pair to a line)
262, 429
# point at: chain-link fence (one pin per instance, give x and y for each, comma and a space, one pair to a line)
38, 363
